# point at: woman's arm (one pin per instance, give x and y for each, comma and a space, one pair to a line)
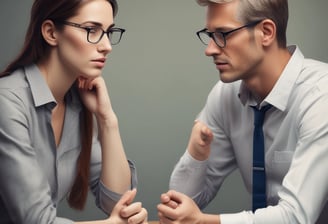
115, 172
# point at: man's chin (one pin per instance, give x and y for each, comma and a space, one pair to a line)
226, 78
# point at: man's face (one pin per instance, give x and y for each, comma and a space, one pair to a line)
239, 59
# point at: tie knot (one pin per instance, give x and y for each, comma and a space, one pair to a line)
259, 114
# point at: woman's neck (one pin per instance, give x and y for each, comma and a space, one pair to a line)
58, 80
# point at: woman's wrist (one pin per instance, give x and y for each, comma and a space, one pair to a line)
107, 122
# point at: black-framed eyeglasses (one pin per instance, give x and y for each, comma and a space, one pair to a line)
219, 37
96, 33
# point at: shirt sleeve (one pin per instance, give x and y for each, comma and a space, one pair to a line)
105, 199
205, 178
244, 217
188, 176
25, 193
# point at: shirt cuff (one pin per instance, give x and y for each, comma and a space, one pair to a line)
60, 220
107, 198
237, 218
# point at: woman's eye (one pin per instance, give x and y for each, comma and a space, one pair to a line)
93, 29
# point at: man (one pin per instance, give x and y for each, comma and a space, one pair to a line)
247, 41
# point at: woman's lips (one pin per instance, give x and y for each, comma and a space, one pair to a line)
99, 62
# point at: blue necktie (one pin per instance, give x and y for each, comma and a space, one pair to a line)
259, 182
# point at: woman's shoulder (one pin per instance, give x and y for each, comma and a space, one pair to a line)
15, 80
14, 89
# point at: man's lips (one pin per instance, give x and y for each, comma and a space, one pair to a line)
220, 65
220, 62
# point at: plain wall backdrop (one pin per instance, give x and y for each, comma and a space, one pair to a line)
158, 79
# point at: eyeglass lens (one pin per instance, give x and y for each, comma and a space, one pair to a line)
95, 35
206, 37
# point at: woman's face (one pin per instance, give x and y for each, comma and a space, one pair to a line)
78, 56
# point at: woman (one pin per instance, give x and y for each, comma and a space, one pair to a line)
50, 95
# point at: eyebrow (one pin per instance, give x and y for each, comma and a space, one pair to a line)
99, 24
224, 29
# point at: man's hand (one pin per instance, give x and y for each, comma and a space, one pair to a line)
200, 141
178, 208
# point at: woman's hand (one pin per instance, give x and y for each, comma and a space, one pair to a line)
126, 212
95, 97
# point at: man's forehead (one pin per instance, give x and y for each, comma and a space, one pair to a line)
221, 16
206, 2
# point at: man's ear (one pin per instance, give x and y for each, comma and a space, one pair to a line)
49, 32
269, 30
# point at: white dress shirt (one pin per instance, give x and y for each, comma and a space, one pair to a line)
296, 146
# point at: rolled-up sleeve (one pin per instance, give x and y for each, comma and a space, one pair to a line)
105, 198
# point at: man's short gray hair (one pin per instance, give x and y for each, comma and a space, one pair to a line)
206, 2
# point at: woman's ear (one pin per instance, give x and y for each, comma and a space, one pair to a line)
49, 32
269, 30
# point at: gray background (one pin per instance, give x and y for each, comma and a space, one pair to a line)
158, 78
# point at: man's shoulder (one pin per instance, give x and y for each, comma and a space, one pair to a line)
314, 64
314, 73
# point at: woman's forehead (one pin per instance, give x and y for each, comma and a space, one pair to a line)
100, 11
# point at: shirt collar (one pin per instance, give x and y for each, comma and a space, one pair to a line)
41, 92
279, 95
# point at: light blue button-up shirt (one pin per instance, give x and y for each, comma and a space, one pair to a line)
296, 142
34, 174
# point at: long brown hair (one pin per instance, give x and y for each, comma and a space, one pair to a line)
34, 48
